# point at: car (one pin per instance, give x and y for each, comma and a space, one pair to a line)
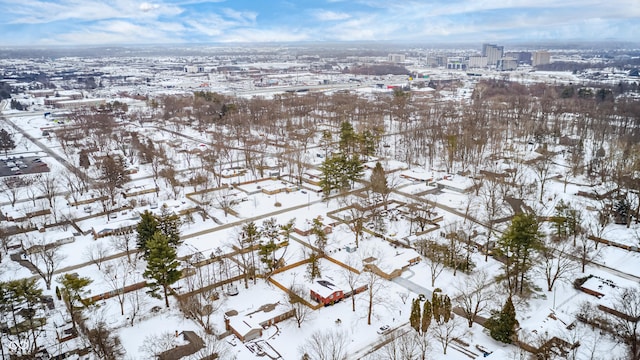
384, 329
37, 160
15, 168
23, 166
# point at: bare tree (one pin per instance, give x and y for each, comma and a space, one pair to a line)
104, 343
352, 278
202, 300
136, 303
627, 306
402, 347
433, 257
298, 305
587, 251
474, 295
445, 332
48, 185
213, 348
11, 189
96, 253
542, 167
125, 242
45, 259
225, 200
325, 345
555, 264
375, 289
117, 277
156, 344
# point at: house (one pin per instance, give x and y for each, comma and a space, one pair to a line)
417, 175
456, 183
116, 228
304, 228
326, 292
249, 326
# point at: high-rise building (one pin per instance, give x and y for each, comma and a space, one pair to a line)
493, 53
541, 58
397, 58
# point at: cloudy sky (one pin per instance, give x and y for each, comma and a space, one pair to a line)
102, 22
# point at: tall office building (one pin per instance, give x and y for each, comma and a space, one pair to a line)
541, 58
493, 53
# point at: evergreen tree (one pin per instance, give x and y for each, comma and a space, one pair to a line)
83, 160
367, 141
622, 211
23, 297
6, 141
517, 245
427, 314
313, 269
441, 306
317, 229
559, 220
162, 265
169, 225
348, 137
73, 291
147, 226
414, 316
436, 305
339, 172
446, 308
266, 255
251, 234
502, 326
378, 180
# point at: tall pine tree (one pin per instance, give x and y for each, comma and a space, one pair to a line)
162, 265
147, 226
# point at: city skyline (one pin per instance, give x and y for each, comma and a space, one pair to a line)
92, 22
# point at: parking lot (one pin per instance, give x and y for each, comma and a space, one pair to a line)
19, 165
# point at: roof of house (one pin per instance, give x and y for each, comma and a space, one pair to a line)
324, 288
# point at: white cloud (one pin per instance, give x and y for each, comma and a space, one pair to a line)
120, 32
242, 17
145, 6
42, 12
326, 15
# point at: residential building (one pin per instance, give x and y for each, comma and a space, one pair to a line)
541, 58
493, 53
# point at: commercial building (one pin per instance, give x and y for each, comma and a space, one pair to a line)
477, 62
396, 58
